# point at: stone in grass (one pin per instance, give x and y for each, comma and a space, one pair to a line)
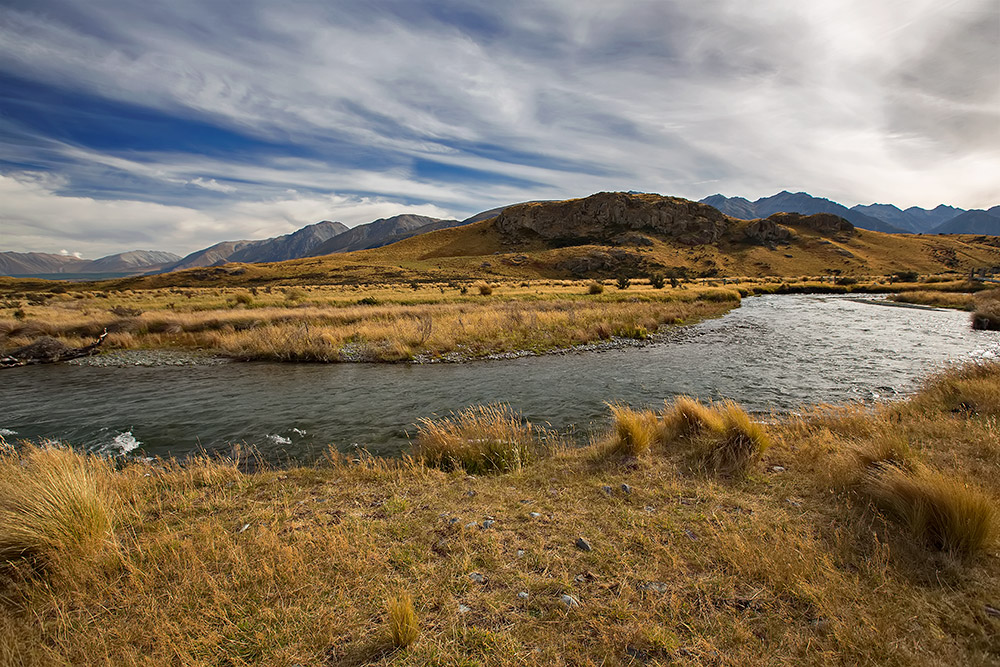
569, 601
583, 544
607, 490
477, 578
523, 595
626, 489
653, 587
488, 523
534, 515
462, 609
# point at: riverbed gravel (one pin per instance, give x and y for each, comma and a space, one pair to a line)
125, 358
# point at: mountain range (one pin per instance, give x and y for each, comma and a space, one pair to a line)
327, 237
874, 217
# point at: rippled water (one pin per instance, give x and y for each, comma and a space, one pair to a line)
773, 353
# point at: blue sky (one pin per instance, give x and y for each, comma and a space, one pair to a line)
176, 125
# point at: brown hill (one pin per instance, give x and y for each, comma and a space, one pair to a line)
610, 234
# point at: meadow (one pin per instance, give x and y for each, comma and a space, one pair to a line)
692, 534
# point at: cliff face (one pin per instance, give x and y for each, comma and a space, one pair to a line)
605, 215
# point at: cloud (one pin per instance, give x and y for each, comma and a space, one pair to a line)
208, 117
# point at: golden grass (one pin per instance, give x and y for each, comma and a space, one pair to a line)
942, 511
634, 430
55, 505
686, 417
937, 298
403, 624
387, 323
480, 439
986, 314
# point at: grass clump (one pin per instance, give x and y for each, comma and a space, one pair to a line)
939, 510
634, 431
480, 439
986, 315
722, 437
55, 504
485, 289
595, 287
403, 625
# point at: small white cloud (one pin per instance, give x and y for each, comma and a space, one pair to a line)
212, 184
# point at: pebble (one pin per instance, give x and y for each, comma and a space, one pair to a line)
470, 493
653, 587
992, 611
471, 525
452, 521
569, 600
626, 488
649, 508
534, 515
523, 595
777, 469
478, 578
607, 490
245, 526
691, 535
520, 553
583, 544
462, 609
488, 524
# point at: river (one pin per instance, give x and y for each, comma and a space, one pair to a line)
775, 353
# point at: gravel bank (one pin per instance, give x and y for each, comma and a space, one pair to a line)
122, 358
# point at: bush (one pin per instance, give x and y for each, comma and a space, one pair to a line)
368, 301
55, 505
624, 283
986, 315
904, 277
485, 289
125, 311
657, 281
846, 280
481, 439
941, 511
244, 298
595, 287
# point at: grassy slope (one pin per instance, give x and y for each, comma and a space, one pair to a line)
213, 566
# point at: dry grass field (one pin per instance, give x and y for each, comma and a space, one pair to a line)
690, 535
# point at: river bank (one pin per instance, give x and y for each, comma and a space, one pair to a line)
581, 556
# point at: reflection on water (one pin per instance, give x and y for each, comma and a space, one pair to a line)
773, 353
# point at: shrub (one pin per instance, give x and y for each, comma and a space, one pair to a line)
125, 311
480, 439
19, 314
634, 430
595, 287
403, 626
368, 301
846, 280
941, 511
624, 283
904, 277
54, 505
986, 315
674, 282
657, 281
485, 289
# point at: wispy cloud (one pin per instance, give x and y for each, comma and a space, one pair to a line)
181, 124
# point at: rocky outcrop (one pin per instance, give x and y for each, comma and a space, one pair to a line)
605, 215
767, 232
599, 261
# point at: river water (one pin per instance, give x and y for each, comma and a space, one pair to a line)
773, 353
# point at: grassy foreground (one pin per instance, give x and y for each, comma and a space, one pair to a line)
691, 534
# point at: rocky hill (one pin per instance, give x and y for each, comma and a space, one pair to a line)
914, 219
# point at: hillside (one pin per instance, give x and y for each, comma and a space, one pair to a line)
971, 222
612, 234
914, 219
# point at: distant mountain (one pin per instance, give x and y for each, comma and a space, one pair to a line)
795, 202
36, 263
300, 243
975, 221
913, 219
382, 232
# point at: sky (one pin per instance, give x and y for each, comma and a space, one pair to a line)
175, 125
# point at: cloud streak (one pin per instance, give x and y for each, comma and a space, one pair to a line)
201, 120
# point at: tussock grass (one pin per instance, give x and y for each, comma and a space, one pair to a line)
686, 417
740, 442
480, 439
942, 511
634, 431
403, 624
55, 505
986, 314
